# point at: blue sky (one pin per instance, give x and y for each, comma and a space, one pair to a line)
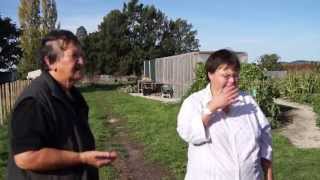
290, 28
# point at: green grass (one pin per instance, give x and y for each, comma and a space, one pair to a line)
294, 163
98, 115
154, 124
3, 150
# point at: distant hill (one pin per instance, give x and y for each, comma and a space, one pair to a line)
301, 62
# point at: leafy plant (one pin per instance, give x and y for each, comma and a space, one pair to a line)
253, 81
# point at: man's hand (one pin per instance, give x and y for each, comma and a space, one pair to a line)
98, 158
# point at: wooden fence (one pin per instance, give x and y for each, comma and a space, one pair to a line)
8, 95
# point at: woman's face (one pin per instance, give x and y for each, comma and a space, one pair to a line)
225, 75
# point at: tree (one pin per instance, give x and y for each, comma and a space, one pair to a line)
34, 27
179, 38
81, 34
30, 21
270, 62
49, 15
138, 33
10, 51
114, 45
92, 52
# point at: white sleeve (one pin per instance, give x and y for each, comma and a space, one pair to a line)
266, 137
190, 126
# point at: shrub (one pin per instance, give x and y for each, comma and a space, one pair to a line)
253, 81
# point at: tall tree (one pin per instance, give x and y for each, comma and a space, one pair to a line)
81, 34
114, 44
152, 35
137, 33
10, 51
92, 52
270, 62
34, 27
49, 15
30, 21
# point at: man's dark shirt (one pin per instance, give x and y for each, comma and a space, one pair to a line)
46, 117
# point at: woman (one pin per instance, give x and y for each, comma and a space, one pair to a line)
228, 135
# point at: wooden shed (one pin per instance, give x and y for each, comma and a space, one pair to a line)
179, 70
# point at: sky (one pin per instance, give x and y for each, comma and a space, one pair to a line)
289, 28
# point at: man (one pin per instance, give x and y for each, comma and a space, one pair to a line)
49, 131
228, 135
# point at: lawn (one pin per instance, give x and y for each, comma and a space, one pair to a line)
154, 125
3, 150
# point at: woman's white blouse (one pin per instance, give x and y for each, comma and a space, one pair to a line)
232, 146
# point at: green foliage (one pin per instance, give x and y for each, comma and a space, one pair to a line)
81, 34
30, 21
270, 62
10, 51
316, 107
200, 82
34, 27
299, 86
253, 81
302, 87
139, 32
92, 53
49, 16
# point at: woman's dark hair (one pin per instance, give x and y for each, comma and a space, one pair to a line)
62, 38
220, 57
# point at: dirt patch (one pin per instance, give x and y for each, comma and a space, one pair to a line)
301, 128
132, 164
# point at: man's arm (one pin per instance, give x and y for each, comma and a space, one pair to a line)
51, 159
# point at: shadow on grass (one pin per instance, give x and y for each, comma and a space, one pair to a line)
285, 117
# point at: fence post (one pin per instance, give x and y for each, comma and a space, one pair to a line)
9, 93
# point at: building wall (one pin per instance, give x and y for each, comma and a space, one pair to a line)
179, 70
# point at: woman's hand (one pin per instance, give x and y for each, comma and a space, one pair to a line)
226, 97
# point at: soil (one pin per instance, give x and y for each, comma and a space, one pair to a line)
301, 127
132, 164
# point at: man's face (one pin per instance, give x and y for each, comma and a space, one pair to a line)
225, 75
70, 63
